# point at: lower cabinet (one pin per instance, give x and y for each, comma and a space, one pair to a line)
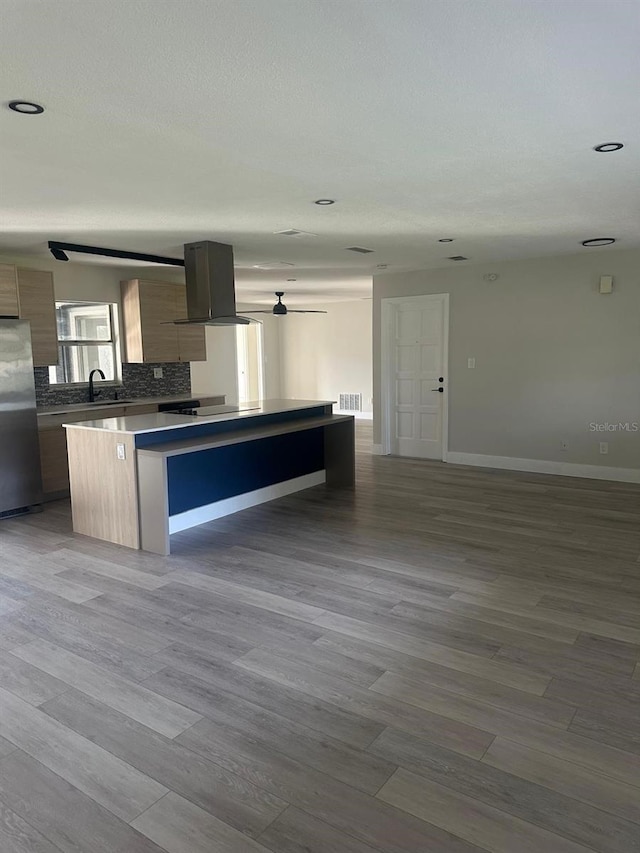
53, 460
53, 446
53, 439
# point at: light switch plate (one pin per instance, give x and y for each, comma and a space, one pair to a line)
157, 373
121, 452
471, 362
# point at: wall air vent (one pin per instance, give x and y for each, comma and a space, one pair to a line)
293, 232
359, 249
350, 402
458, 258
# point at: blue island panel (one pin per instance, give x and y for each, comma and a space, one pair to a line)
206, 476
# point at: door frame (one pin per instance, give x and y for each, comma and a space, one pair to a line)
242, 348
388, 306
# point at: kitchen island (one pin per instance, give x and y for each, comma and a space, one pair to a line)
136, 480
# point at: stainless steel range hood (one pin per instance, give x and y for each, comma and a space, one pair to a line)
211, 293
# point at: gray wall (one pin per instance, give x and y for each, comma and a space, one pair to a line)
552, 355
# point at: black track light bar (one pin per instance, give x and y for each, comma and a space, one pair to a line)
59, 252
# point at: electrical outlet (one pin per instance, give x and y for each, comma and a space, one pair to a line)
157, 373
564, 445
604, 447
471, 362
121, 452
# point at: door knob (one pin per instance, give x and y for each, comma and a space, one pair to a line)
439, 390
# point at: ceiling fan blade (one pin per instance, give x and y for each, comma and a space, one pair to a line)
300, 311
260, 311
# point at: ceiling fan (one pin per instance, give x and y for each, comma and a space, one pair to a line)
280, 309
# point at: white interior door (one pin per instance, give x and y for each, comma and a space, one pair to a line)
416, 396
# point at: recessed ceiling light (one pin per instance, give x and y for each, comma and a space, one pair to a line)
445, 240
325, 201
609, 146
27, 108
293, 232
273, 265
458, 258
599, 241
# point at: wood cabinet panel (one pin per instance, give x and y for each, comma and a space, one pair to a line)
148, 409
147, 306
53, 460
53, 442
104, 507
149, 309
36, 302
157, 308
132, 327
191, 339
8, 291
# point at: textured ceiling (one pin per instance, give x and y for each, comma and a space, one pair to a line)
173, 120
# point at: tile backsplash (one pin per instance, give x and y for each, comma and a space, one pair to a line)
137, 381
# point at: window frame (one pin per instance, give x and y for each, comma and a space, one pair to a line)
113, 341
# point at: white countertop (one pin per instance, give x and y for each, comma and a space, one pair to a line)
161, 421
63, 408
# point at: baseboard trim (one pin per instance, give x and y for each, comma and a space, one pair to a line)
202, 514
359, 416
544, 466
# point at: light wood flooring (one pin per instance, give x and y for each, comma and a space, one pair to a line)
445, 661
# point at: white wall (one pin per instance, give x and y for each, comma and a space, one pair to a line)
323, 355
552, 355
93, 282
217, 375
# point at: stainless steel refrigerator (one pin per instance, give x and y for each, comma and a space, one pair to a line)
20, 478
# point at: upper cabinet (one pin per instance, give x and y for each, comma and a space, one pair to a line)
8, 291
37, 304
146, 306
28, 294
148, 311
191, 339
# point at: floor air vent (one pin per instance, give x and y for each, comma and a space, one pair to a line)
350, 403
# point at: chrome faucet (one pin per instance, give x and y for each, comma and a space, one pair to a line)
92, 392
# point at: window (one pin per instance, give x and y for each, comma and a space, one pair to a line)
86, 341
